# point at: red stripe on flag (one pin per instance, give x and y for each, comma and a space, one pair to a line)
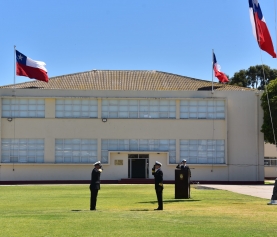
31, 72
220, 75
263, 36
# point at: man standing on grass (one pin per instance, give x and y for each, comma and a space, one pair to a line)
95, 184
158, 174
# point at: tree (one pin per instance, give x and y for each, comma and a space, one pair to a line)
239, 79
259, 76
254, 77
267, 125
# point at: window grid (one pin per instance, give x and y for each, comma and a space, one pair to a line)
148, 109
76, 108
203, 151
22, 151
270, 161
23, 108
75, 150
138, 145
202, 109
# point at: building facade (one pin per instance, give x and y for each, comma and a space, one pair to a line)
270, 161
129, 119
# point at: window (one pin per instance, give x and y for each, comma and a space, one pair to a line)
270, 161
76, 108
22, 151
148, 109
23, 108
202, 109
138, 145
76, 150
203, 151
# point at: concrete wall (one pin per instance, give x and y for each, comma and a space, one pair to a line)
240, 130
270, 150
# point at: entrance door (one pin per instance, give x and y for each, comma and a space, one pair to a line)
138, 168
138, 165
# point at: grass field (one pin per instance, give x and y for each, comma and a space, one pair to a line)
127, 210
269, 181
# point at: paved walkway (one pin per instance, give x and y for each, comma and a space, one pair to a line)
262, 191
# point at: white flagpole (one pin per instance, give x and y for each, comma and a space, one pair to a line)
14, 70
14, 95
212, 71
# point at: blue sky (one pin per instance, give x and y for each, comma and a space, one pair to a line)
175, 36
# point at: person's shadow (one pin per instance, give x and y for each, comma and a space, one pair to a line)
165, 202
172, 201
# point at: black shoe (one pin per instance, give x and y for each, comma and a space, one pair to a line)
93, 209
158, 209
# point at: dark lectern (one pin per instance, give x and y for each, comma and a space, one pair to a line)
182, 184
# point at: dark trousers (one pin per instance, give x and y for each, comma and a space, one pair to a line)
93, 198
159, 193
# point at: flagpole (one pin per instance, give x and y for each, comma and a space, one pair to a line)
213, 98
212, 71
14, 69
14, 94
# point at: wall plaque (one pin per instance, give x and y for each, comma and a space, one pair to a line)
118, 162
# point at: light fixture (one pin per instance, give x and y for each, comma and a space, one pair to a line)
104, 120
10, 119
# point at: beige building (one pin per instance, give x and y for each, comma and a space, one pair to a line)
54, 132
270, 161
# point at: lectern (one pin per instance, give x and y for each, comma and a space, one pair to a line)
182, 184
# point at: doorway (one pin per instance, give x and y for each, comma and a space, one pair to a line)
138, 166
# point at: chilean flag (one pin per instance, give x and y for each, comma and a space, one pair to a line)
30, 68
220, 75
259, 28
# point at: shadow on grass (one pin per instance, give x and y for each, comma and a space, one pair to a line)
80, 210
173, 200
139, 210
205, 188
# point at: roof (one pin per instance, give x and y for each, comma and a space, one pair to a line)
125, 80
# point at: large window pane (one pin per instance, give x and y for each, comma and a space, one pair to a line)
203, 151
23, 108
147, 109
76, 150
202, 109
76, 108
22, 150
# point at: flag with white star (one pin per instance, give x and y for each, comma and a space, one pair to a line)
30, 68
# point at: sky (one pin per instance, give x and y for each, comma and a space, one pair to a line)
174, 36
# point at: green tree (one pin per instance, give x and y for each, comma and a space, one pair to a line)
239, 79
267, 125
259, 76
254, 77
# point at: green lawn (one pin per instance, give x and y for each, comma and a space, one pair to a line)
269, 181
127, 210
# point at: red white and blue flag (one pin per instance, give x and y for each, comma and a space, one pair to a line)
259, 28
220, 75
30, 68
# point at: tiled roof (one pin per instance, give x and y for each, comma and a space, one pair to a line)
125, 80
